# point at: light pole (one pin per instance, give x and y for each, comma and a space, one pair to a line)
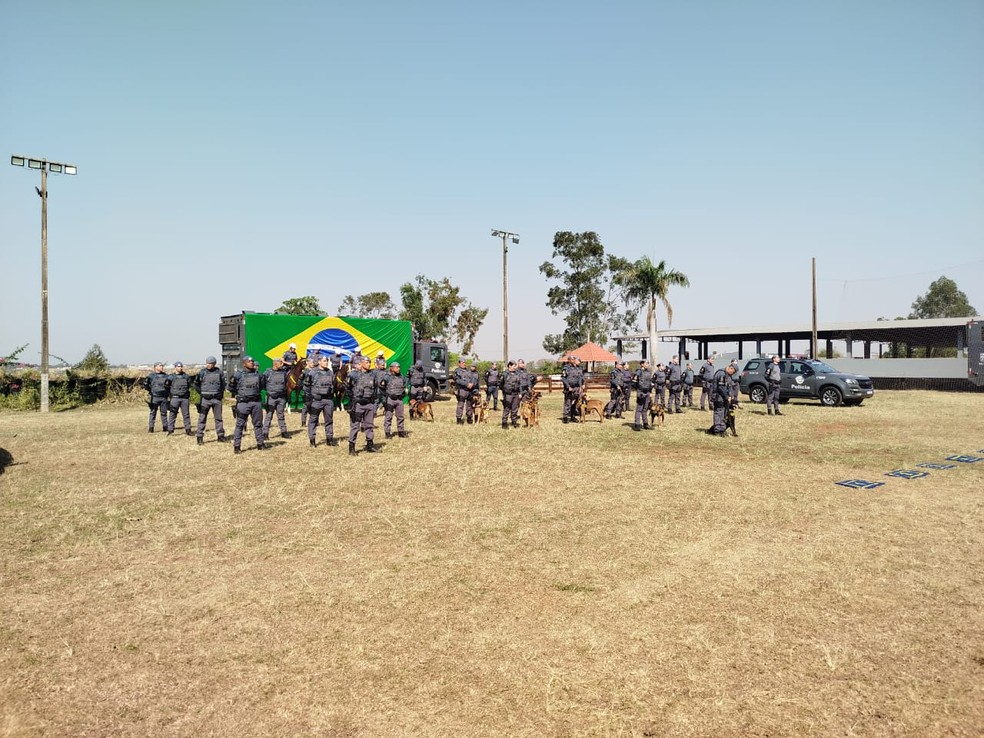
514, 237
55, 168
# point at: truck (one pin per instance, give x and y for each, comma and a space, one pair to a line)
265, 336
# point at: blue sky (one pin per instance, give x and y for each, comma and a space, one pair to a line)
235, 154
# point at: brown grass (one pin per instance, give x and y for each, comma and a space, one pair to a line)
566, 580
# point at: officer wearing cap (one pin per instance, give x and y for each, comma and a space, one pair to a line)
363, 389
674, 379
179, 392
156, 385
211, 384
379, 369
616, 388
394, 389
319, 393
706, 376
642, 380
246, 386
688, 385
511, 385
418, 381
275, 381
527, 381
659, 383
492, 385
572, 379
773, 375
722, 399
463, 386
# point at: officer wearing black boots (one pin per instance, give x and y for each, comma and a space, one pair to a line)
156, 385
363, 390
773, 375
464, 384
722, 399
417, 379
275, 381
394, 387
688, 385
246, 386
616, 388
659, 382
179, 392
674, 380
511, 384
319, 386
706, 377
492, 377
210, 383
572, 378
642, 381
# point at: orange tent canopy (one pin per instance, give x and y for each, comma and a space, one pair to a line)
592, 352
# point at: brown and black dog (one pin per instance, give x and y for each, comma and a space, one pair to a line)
529, 410
656, 412
421, 411
480, 408
587, 406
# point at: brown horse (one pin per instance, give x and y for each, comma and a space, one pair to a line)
341, 377
294, 381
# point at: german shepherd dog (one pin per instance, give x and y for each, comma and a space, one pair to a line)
529, 410
480, 408
421, 411
656, 412
587, 406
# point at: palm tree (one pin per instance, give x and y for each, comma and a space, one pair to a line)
642, 283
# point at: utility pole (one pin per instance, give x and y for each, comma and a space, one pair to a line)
57, 168
514, 237
813, 335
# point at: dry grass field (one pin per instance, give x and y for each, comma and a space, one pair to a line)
468, 581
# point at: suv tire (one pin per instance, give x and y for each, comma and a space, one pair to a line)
830, 397
757, 394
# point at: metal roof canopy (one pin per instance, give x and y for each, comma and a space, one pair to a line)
933, 332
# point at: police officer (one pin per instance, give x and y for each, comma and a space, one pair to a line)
688, 385
394, 388
290, 356
246, 386
362, 391
616, 388
511, 385
707, 383
463, 386
418, 381
336, 361
211, 385
275, 381
721, 382
319, 387
642, 380
734, 385
379, 369
674, 378
492, 377
179, 390
526, 380
659, 382
156, 385
773, 375
572, 378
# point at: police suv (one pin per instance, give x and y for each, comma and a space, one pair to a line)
806, 378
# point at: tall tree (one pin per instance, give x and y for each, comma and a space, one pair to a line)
438, 310
643, 283
307, 305
943, 300
584, 294
94, 361
369, 305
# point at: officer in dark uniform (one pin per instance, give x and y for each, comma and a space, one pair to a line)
616, 389
418, 381
211, 384
394, 389
707, 383
773, 375
492, 385
336, 361
722, 399
659, 382
319, 386
572, 378
156, 385
379, 369
674, 379
246, 386
362, 391
290, 356
275, 381
642, 381
179, 391
527, 381
734, 386
511, 385
688, 385
463, 386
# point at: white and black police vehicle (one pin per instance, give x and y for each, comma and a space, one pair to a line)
806, 378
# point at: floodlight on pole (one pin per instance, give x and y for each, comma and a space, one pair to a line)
56, 168
514, 237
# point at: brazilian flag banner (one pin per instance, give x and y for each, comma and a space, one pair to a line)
268, 335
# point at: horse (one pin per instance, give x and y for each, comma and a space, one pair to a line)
294, 381
341, 379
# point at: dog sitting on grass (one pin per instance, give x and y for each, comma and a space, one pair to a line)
656, 412
529, 410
